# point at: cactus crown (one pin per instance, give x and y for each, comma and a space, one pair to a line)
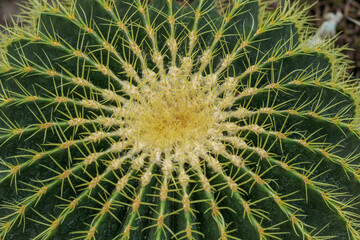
130, 119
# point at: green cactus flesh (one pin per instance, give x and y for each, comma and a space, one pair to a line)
165, 120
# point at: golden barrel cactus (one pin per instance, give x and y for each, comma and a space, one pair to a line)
130, 119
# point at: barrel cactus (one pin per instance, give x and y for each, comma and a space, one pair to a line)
164, 119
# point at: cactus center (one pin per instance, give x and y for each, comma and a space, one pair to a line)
174, 115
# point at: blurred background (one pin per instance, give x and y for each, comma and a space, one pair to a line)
348, 27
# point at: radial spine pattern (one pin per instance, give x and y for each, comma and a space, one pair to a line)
209, 119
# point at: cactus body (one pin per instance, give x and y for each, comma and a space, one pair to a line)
164, 120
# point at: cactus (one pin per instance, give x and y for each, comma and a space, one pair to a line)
163, 119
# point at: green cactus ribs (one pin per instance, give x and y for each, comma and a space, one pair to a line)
204, 119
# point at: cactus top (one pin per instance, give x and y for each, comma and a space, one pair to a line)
209, 119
